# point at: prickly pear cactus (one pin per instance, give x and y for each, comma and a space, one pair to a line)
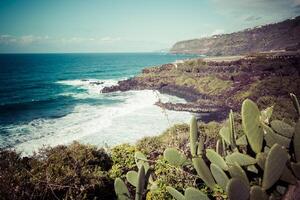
177, 195
237, 189
219, 175
204, 172
193, 136
194, 194
256, 193
252, 125
140, 184
215, 158
121, 190
174, 157
274, 166
240, 158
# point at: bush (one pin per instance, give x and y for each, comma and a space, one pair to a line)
64, 172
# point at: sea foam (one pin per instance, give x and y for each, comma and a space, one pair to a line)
133, 117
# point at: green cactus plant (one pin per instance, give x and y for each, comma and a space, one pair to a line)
193, 136
232, 130
237, 189
240, 158
296, 141
140, 183
252, 125
272, 138
194, 194
177, 195
121, 190
274, 166
132, 178
204, 172
282, 128
296, 169
215, 158
288, 177
219, 175
296, 104
266, 114
236, 171
174, 157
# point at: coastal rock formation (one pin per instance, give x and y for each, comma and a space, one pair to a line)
278, 36
211, 86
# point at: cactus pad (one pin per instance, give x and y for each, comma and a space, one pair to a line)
274, 166
219, 175
296, 141
296, 169
204, 172
177, 195
121, 190
194, 194
193, 136
237, 171
282, 128
240, 159
215, 158
174, 157
272, 138
252, 125
237, 189
141, 159
131, 177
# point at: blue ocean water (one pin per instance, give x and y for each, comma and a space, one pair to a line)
50, 99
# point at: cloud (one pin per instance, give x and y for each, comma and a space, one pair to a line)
252, 18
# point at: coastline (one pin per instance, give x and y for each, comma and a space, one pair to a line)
214, 85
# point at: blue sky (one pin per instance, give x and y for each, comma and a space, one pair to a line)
127, 25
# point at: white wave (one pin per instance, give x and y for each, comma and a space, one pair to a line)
125, 122
93, 86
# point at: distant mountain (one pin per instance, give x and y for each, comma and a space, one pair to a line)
278, 36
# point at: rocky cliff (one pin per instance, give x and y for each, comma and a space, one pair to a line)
279, 36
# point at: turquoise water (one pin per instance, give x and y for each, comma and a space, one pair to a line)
50, 99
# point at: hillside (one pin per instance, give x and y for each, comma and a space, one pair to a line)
278, 36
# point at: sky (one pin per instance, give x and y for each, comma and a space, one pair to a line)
41, 26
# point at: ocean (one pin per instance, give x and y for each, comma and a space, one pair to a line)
53, 99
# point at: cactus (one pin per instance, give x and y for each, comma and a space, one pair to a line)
240, 158
296, 104
266, 114
194, 194
296, 141
232, 130
287, 176
174, 157
252, 125
242, 141
193, 136
132, 177
236, 171
177, 195
225, 134
256, 193
219, 149
274, 166
215, 158
140, 184
121, 190
261, 159
282, 128
219, 175
204, 172
237, 189
272, 138
296, 169
141, 160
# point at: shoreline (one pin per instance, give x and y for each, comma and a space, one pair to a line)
213, 85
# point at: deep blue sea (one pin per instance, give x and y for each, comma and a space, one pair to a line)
51, 99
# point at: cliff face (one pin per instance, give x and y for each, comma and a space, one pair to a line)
277, 36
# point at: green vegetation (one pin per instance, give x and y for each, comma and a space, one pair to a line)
252, 153
261, 166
